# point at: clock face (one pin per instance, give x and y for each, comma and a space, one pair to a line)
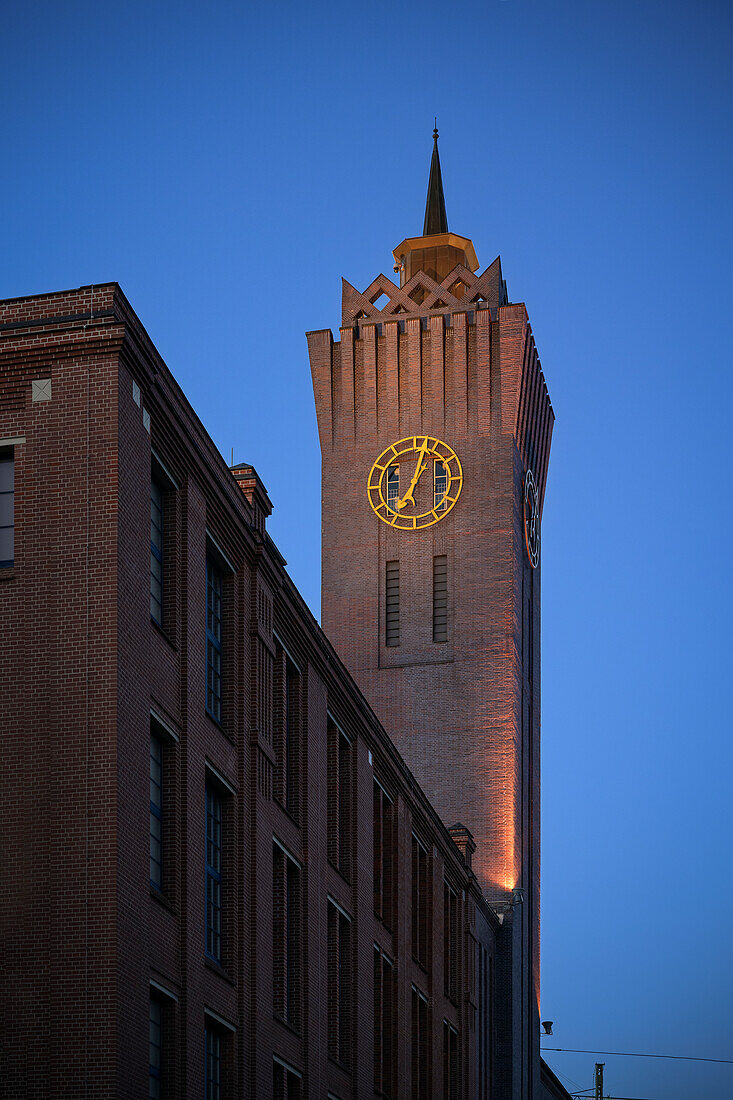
415, 482
531, 519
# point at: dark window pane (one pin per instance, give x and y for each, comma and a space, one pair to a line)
156, 552
6, 544
393, 486
213, 1064
213, 873
213, 639
156, 1044
7, 474
156, 812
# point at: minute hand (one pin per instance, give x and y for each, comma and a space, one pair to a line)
415, 478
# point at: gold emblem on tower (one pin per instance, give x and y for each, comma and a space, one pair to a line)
415, 482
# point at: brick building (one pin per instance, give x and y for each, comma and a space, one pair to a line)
220, 878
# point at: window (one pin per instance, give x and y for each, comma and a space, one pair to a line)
163, 561
213, 639
440, 598
156, 552
162, 1062
163, 797
7, 507
214, 814
286, 924
420, 903
384, 1024
450, 942
393, 487
213, 1063
419, 1046
287, 733
155, 1076
450, 1062
440, 486
287, 1082
339, 984
156, 811
484, 1022
392, 618
339, 799
383, 855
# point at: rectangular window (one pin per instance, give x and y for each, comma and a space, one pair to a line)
214, 815
440, 485
156, 1050
156, 551
287, 1083
292, 739
339, 799
393, 487
450, 942
286, 716
419, 1046
392, 607
450, 1062
162, 783
7, 507
213, 639
484, 1022
213, 1063
384, 1024
156, 811
383, 855
420, 903
286, 937
339, 985
162, 1061
440, 598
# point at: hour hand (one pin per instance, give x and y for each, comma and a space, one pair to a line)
409, 496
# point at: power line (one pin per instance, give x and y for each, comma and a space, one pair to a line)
633, 1054
582, 1096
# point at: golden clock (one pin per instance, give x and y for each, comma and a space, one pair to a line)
415, 482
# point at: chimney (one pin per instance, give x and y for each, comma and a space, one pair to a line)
249, 482
463, 839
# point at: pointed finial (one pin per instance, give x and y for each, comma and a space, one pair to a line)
436, 219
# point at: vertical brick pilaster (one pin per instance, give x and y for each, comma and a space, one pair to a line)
411, 380
456, 387
483, 369
344, 390
320, 350
434, 374
366, 408
390, 367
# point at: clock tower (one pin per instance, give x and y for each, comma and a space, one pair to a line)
435, 426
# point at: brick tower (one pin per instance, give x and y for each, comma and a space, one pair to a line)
435, 426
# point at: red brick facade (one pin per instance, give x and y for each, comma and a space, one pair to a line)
313, 880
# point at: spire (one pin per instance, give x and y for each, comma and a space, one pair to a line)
436, 219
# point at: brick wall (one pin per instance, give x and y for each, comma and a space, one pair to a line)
463, 712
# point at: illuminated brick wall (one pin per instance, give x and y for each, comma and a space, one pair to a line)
463, 712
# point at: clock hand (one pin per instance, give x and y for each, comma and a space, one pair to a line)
415, 478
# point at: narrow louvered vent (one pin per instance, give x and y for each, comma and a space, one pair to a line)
440, 599
393, 603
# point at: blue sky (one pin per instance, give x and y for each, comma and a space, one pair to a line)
227, 163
